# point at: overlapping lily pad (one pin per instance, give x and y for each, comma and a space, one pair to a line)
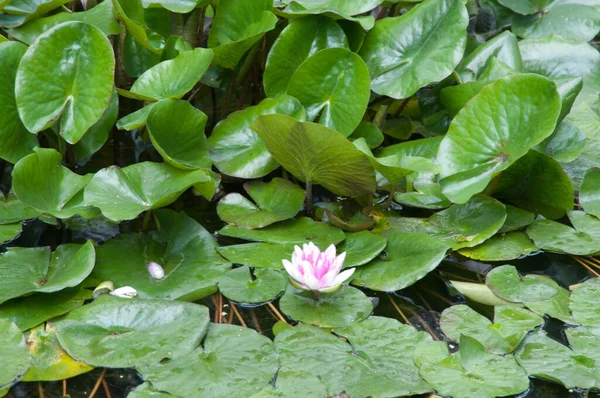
13, 353
9, 231
506, 283
262, 285
589, 193
121, 333
503, 247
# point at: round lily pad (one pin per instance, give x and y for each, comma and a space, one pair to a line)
584, 303
13, 210
503, 247
338, 309
506, 283
516, 219
240, 286
9, 232
14, 354
556, 306
145, 390
480, 293
589, 194
121, 333
361, 247
257, 255
234, 362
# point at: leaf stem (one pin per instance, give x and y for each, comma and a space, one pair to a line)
315, 295
308, 199
146, 222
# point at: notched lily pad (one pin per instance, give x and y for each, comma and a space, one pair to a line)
504, 247
261, 286
14, 354
589, 193
507, 284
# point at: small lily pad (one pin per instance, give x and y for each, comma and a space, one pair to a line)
589, 193
234, 362
503, 247
276, 201
238, 285
507, 284
361, 247
257, 255
338, 309
14, 354
121, 333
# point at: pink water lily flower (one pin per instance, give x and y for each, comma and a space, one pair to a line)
312, 269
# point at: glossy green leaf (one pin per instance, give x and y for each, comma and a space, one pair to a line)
234, 361
510, 326
15, 140
13, 353
49, 362
77, 60
387, 166
9, 231
584, 303
100, 16
185, 250
516, 219
525, 7
292, 232
136, 119
565, 144
488, 135
325, 81
480, 293
338, 309
30, 311
454, 98
41, 182
433, 33
145, 390
179, 6
409, 257
589, 194
510, 246
262, 286
97, 135
497, 69
28, 270
237, 26
536, 183
13, 210
276, 201
372, 135
258, 255
582, 240
506, 283
586, 160
187, 148
557, 306
131, 13
122, 194
316, 154
503, 47
295, 44
335, 9
19, 12
361, 247
238, 151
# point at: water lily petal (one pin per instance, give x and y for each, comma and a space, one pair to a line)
339, 262
343, 276
311, 281
292, 270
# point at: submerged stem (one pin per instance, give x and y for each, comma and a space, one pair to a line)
308, 199
315, 295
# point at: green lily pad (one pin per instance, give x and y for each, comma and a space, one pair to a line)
582, 240
503, 47
503, 247
556, 306
41, 182
347, 219
409, 258
15, 140
238, 151
9, 232
375, 360
123, 194
361, 247
388, 166
28, 270
145, 390
258, 255
121, 333
477, 147
338, 309
136, 119
237, 27
295, 44
525, 7
454, 98
188, 148
234, 361
336, 9
276, 201
49, 362
434, 34
480, 293
506, 283
238, 285
497, 69
511, 325
586, 160
13, 210
178, 6
462, 225
546, 358
292, 232
469, 372
24, 11
13, 353
131, 14
372, 135
185, 250
323, 83
584, 303
516, 219
97, 135
175, 77
100, 16
29, 311
589, 193
316, 154
82, 76
565, 144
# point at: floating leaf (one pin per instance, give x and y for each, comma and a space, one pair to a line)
238, 151
488, 135
78, 61
325, 81
516, 219
136, 119
145, 390
15, 140
238, 285
316, 154
557, 306
525, 7
97, 135
295, 44
505, 282
9, 231
13, 353
122, 194
433, 34
234, 361
258, 255
589, 194
372, 135
584, 303
184, 249
187, 149
121, 333
131, 13
276, 201
565, 144
409, 258
361, 247
178, 6
335, 9
28, 270
480, 293
338, 309
503, 247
